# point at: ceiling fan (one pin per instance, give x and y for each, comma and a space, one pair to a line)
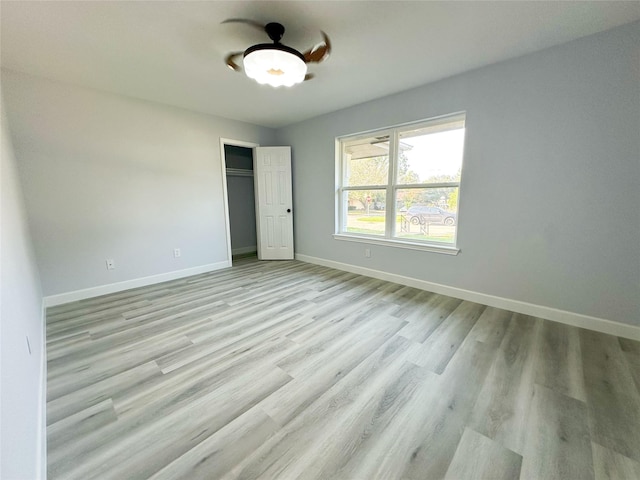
274, 63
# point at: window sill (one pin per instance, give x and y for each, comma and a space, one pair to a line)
398, 244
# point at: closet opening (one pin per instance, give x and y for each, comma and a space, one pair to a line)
241, 201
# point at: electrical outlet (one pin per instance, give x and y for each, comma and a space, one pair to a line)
176, 252
367, 252
111, 264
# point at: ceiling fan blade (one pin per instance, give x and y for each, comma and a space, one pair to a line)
319, 52
253, 23
308, 76
230, 63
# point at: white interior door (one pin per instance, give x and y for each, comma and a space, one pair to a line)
274, 209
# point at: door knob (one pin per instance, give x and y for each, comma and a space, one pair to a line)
288, 210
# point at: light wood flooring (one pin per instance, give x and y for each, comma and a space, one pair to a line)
290, 370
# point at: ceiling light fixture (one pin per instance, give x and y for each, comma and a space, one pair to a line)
276, 64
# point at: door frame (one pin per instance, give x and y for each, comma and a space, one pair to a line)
223, 163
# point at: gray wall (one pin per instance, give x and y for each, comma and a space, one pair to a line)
549, 197
242, 212
107, 176
22, 453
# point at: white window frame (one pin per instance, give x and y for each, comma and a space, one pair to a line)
389, 238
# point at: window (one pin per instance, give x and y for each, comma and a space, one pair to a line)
401, 185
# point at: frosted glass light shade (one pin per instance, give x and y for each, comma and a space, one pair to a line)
274, 66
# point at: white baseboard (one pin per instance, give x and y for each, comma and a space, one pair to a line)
243, 250
562, 316
53, 300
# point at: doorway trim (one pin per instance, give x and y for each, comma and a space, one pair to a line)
223, 163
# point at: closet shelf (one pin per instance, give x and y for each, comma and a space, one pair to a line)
239, 172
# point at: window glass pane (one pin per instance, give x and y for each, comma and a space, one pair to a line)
427, 214
365, 211
431, 154
367, 162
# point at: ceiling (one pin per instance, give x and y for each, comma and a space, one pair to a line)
172, 52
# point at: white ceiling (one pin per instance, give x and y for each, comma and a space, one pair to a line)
172, 52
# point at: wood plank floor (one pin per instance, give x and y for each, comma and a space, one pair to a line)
291, 370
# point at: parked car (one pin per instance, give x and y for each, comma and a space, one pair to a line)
422, 214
